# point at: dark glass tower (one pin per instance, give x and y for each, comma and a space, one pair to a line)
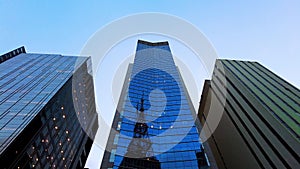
154, 125
260, 123
47, 110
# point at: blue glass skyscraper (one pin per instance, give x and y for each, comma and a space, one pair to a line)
154, 124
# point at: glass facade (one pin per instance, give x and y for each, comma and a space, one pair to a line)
274, 93
155, 127
41, 125
260, 123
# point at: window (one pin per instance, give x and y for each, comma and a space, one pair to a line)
116, 139
119, 125
112, 155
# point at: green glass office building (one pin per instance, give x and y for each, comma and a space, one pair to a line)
260, 123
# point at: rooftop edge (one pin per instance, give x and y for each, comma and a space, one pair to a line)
153, 43
12, 54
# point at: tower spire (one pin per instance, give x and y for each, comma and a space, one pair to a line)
142, 103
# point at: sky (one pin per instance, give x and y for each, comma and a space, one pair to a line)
263, 31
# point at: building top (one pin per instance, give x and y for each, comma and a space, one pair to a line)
153, 43
12, 54
27, 83
278, 96
141, 45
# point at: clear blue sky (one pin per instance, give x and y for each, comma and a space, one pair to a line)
264, 31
